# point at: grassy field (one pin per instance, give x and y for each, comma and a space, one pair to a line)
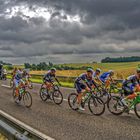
122, 70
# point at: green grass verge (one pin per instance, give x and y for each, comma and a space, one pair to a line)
39, 81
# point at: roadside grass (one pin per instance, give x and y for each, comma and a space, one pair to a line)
39, 81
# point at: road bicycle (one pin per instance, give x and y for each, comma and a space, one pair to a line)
53, 93
24, 96
95, 104
117, 107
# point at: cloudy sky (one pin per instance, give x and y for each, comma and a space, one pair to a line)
64, 31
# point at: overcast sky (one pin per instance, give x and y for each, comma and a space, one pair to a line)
68, 30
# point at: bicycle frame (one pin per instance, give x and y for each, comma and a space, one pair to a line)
134, 102
89, 96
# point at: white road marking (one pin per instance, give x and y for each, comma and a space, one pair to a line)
5, 86
66, 100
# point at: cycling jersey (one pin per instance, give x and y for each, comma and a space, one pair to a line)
18, 75
130, 83
49, 77
94, 75
80, 82
132, 79
104, 76
18, 78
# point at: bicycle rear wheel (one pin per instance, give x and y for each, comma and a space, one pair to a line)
96, 106
27, 99
137, 109
43, 93
115, 106
57, 97
72, 101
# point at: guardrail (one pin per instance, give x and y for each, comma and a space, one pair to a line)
14, 129
62, 78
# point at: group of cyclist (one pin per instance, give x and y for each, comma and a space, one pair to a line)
85, 82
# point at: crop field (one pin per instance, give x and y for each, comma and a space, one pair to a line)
122, 70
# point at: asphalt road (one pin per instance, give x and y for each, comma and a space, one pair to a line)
62, 123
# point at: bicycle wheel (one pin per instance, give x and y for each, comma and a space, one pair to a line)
137, 109
96, 106
72, 101
104, 96
57, 97
115, 106
43, 93
27, 99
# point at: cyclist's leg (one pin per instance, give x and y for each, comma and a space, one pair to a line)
48, 85
79, 91
81, 88
16, 82
107, 84
132, 94
129, 94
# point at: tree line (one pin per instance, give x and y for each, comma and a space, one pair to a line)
45, 66
121, 59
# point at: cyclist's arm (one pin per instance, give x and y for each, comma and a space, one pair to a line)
111, 79
98, 80
57, 81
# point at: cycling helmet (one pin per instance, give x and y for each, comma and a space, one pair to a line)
53, 69
111, 71
138, 70
90, 70
98, 70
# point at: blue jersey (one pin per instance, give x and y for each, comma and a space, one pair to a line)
18, 75
104, 76
49, 77
133, 80
83, 78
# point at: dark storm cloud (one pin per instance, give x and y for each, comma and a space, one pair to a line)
105, 26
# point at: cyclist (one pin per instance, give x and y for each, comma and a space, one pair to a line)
1, 69
50, 77
83, 83
96, 76
106, 78
130, 86
14, 73
26, 76
17, 82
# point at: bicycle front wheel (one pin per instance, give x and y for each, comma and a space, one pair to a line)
27, 99
137, 109
96, 106
72, 101
115, 106
57, 97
